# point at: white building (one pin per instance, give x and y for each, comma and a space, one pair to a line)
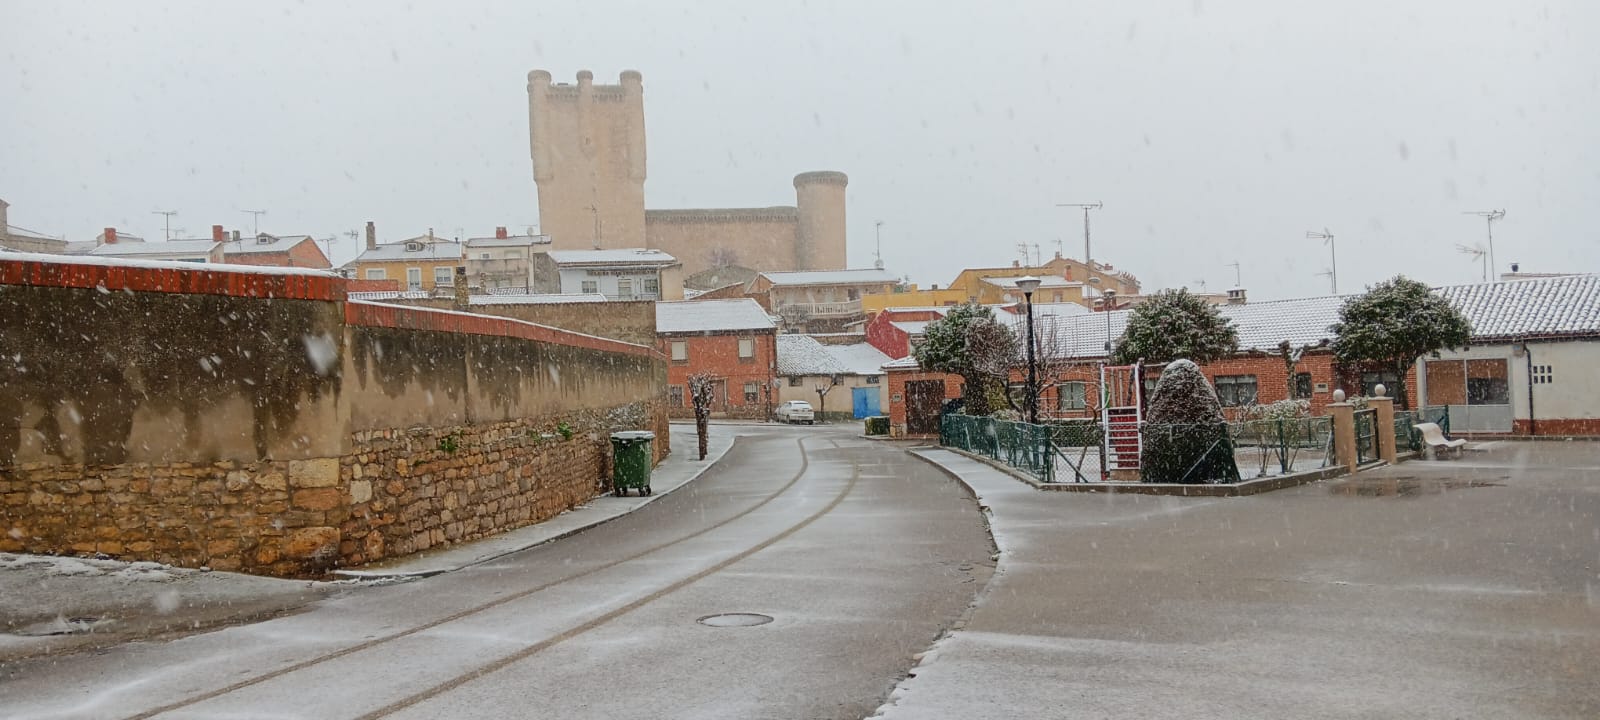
851, 375
627, 274
503, 263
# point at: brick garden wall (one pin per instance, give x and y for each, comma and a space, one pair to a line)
258, 422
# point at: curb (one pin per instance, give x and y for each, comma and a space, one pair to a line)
369, 575
1243, 488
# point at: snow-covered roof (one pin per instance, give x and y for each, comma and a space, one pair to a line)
803, 355
263, 243
536, 299
912, 327
869, 276
101, 261
630, 256
1010, 283
692, 316
435, 249
150, 249
15, 231
941, 309
909, 361
1539, 307
509, 241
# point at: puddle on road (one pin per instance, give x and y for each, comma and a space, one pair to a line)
1405, 486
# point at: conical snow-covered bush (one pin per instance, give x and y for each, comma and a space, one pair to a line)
1185, 436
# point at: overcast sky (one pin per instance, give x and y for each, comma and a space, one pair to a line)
1213, 131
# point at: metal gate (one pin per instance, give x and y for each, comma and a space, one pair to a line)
1366, 435
1121, 414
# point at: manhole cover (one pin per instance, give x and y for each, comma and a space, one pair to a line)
735, 620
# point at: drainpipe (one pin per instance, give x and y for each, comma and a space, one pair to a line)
1533, 424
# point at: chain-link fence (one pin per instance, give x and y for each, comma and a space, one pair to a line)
1282, 446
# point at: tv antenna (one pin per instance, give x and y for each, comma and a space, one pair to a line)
1237, 282
877, 251
169, 214
255, 221
1479, 255
1333, 256
1096, 205
1489, 216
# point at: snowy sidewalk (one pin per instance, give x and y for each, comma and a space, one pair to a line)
677, 470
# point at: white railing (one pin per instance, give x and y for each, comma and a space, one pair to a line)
822, 310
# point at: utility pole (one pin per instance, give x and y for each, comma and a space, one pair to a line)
1333, 256
1087, 261
255, 221
169, 214
877, 252
1489, 216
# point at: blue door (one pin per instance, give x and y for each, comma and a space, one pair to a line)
864, 400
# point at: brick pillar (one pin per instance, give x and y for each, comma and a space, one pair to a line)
463, 294
1384, 432
1344, 434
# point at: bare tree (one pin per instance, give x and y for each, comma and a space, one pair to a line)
822, 393
702, 391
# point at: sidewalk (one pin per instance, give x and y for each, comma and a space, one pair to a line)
674, 472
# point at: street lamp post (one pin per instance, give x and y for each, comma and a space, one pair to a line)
1027, 285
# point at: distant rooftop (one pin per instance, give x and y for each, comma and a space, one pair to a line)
508, 241
263, 243
629, 256
869, 276
803, 355
420, 247
689, 316
149, 249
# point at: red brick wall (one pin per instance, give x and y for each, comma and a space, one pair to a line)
888, 339
304, 254
897, 393
719, 355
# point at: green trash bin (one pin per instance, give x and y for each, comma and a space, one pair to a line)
630, 452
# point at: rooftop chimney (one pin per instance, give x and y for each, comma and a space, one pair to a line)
235, 235
1236, 296
372, 236
218, 234
500, 233
1016, 263
1513, 265
111, 236
5, 223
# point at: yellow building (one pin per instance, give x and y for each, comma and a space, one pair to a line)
422, 263
1062, 280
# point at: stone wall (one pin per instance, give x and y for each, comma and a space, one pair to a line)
258, 422
631, 321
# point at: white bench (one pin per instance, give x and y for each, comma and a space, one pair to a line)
1435, 440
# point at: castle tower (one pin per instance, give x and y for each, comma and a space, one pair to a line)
587, 144
819, 238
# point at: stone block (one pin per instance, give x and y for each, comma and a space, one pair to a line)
322, 498
360, 491
272, 481
314, 543
314, 473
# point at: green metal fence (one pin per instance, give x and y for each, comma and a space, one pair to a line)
1283, 442
1367, 435
1018, 444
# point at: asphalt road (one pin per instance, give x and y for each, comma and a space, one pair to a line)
1441, 590
861, 554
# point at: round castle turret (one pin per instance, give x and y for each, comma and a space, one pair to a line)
820, 237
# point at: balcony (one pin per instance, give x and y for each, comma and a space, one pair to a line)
820, 311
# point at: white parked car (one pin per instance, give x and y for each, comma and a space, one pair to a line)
795, 411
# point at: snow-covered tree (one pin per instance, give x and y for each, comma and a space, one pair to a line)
1174, 324
1394, 323
968, 342
1185, 437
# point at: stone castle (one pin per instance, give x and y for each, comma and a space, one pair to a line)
588, 148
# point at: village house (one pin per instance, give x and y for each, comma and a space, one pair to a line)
840, 381
118, 245
626, 274
503, 263
1063, 279
272, 250
732, 340
1526, 371
425, 262
820, 301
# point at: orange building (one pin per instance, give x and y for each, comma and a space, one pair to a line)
735, 341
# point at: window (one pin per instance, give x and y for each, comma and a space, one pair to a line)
675, 395
752, 392
590, 287
1057, 297
680, 351
1302, 386
874, 379
794, 381
625, 288
1236, 390
413, 247
1543, 375
747, 348
1370, 380
376, 274
652, 288
1070, 396
444, 277
483, 256
414, 278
